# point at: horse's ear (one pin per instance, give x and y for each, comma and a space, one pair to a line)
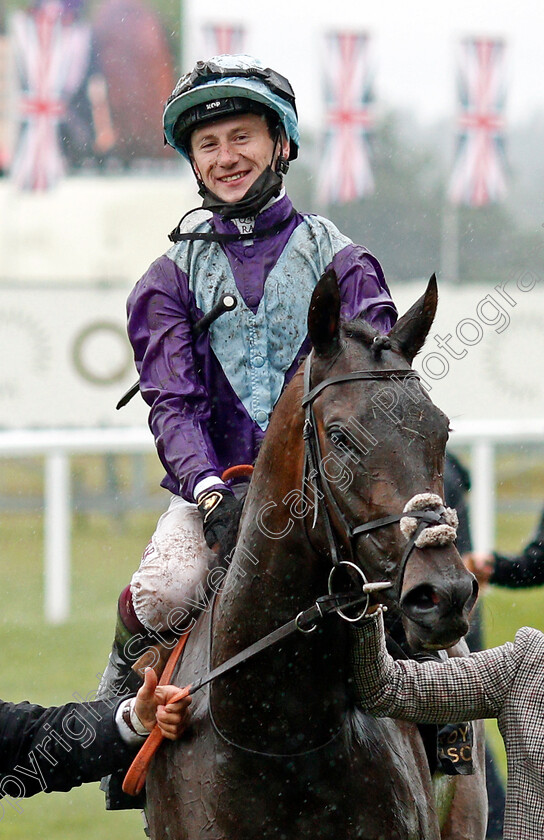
324, 315
412, 329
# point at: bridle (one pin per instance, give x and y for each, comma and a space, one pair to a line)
324, 501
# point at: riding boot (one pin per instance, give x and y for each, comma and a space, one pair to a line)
119, 680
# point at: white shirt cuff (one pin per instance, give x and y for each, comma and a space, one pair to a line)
127, 734
206, 483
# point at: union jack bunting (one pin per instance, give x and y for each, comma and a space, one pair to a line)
223, 39
5, 66
478, 175
51, 60
345, 172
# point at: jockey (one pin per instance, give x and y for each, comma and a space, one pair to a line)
211, 395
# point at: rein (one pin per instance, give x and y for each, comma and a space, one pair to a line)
305, 622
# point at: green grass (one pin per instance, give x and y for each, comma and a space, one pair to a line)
506, 610
48, 665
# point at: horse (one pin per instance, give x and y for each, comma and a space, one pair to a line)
278, 748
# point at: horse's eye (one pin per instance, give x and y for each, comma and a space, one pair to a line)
340, 439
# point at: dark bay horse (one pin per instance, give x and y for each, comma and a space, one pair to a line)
278, 750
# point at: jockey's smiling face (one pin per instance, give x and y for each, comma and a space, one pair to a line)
230, 154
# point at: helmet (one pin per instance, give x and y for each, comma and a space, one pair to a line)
225, 85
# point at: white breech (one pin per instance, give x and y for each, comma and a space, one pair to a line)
172, 570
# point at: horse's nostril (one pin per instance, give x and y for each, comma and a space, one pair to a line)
427, 598
422, 597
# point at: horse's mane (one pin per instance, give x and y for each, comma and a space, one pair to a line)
366, 335
360, 330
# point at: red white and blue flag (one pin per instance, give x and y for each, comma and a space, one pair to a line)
223, 39
478, 176
345, 170
5, 81
51, 61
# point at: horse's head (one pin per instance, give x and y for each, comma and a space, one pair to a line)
379, 445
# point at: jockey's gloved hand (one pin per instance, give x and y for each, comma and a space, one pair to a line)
218, 508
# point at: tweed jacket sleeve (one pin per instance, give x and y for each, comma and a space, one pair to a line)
505, 682
431, 692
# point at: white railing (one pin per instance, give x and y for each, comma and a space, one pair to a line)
57, 446
482, 436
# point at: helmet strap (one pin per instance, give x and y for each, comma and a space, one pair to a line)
282, 165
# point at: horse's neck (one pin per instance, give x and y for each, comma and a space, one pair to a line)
270, 577
275, 570
269, 582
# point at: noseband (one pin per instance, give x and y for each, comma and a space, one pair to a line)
313, 476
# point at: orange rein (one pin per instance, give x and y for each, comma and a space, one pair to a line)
239, 471
137, 772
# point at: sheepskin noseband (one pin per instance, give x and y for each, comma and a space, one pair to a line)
434, 535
